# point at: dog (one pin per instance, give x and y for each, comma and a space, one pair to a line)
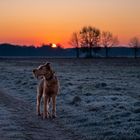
48, 89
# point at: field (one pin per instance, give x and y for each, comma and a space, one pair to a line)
99, 99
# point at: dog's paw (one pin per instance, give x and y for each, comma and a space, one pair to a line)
54, 115
38, 114
45, 116
41, 114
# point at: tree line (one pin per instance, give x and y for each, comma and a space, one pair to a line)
44, 50
91, 39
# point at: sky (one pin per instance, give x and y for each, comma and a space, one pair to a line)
36, 22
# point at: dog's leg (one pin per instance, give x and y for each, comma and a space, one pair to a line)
48, 106
39, 95
47, 109
54, 107
38, 104
45, 113
45, 106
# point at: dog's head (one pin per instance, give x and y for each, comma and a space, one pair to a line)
43, 71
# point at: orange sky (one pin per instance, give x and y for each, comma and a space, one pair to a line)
42, 21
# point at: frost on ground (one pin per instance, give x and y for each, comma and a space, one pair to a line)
99, 99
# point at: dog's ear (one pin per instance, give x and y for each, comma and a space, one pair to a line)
48, 65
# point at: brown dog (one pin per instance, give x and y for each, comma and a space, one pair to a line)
48, 88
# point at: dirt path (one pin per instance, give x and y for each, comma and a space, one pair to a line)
18, 121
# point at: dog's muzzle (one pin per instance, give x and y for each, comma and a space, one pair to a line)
36, 75
34, 70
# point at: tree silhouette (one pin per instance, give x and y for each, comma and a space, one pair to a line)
89, 38
135, 44
75, 42
108, 41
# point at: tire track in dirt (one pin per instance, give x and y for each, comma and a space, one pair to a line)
24, 124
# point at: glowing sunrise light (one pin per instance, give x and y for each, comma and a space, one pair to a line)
54, 45
30, 22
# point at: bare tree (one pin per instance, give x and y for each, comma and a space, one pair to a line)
108, 41
89, 38
75, 42
135, 44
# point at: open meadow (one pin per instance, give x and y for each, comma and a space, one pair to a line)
99, 99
